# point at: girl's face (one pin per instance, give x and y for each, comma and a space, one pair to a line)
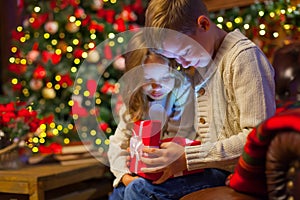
159, 80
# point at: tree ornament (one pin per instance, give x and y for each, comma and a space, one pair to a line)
110, 15
36, 84
65, 80
78, 53
79, 13
119, 25
103, 126
93, 56
138, 7
53, 57
39, 72
51, 27
108, 88
32, 55
48, 93
39, 20
97, 5
119, 63
18, 69
62, 45
71, 27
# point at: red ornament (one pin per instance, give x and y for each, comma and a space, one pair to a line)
39, 20
138, 7
108, 88
39, 72
78, 53
95, 26
17, 35
86, 20
79, 12
101, 13
120, 25
65, 79
103, 126
53, 57
127, 14
18, 69
48, 120
110, 16
17, 87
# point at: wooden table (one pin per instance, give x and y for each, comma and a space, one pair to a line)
36, 180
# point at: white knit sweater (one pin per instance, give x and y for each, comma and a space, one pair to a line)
239, 94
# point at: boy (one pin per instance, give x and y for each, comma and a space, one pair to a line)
234, 87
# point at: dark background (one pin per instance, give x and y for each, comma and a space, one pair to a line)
9, 20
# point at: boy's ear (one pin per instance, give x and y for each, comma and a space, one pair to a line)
203, 23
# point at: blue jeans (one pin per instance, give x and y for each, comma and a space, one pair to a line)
173, 188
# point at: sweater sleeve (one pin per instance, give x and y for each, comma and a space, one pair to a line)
251, 100
117, 152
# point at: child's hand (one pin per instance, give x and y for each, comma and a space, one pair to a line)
170, 159
127, 178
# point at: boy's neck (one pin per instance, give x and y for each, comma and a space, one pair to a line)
219, 37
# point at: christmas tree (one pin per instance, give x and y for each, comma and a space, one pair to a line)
58, 41
56, 37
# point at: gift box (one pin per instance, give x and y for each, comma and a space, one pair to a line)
147, 133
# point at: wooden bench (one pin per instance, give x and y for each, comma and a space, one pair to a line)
54, 181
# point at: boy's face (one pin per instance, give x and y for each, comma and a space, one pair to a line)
159, 81
187, 50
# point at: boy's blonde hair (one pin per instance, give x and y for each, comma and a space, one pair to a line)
178, 15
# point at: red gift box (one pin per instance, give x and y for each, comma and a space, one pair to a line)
147, 133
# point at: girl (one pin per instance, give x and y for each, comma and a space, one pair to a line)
160, 93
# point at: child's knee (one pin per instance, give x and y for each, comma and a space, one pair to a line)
136, 183
137, 189
136, 186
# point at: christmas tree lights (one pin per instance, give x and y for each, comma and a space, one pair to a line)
269, 24
48, 49
57, 37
